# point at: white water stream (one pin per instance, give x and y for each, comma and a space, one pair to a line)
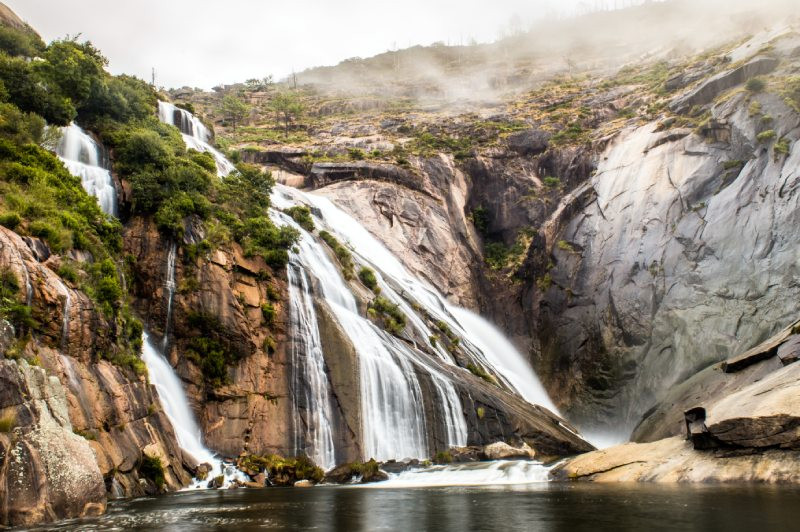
86, 159
169, 288
195, 134
176, 406
502, 472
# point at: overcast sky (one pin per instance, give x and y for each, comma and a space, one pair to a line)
206, 42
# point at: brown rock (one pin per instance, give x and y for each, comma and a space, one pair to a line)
503, 451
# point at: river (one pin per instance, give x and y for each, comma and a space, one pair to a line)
539, 506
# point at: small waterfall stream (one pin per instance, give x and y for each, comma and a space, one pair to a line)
195, 134
176, 407
169, 288
86, 159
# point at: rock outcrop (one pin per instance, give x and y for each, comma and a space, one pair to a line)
220, 295
755, 406
46, 471
748, 429
675, 460
714, 86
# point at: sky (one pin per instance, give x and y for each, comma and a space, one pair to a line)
203, 43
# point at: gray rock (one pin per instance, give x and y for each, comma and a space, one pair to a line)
709, 89
529, 142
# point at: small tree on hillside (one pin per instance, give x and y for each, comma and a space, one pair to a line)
234, 109
287, 108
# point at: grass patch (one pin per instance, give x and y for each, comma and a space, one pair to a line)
342, 253
387, 314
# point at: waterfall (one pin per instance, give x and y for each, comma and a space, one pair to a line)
195, 134
504, 357
392, 423
169, 287
64, 312
86, 159
310, 381
176, 407
480, 339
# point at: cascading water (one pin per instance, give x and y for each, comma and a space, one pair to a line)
195, 134
310, 381
176, 407
393, 416
479, 338
86, 159
169, 287
65, 312
504, 472
392, 424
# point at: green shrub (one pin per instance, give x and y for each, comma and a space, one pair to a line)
443, 457
551, 182
8, 423
268, 312
767, 136
68, 272
356, 154
341, 252
388, 314
480, 219
782, 147
565, 246
495, 254
481, 373
367, 276
302, 215
10, 220
152, 469
755, 84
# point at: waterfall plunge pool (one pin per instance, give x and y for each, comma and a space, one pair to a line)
542, 506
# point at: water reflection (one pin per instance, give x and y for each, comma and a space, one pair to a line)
541, 507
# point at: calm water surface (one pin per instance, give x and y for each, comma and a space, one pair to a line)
558, 507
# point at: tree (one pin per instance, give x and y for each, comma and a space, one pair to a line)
234, 109
287, 108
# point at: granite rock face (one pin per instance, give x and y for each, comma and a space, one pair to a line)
755, 406
683, 254
46, 471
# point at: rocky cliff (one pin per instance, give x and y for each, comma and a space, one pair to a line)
683, 252
632, 252
77, 427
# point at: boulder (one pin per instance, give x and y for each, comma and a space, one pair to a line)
529, 142
48, 472
503, 451
304, 484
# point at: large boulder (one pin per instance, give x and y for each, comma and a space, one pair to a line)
47, 472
